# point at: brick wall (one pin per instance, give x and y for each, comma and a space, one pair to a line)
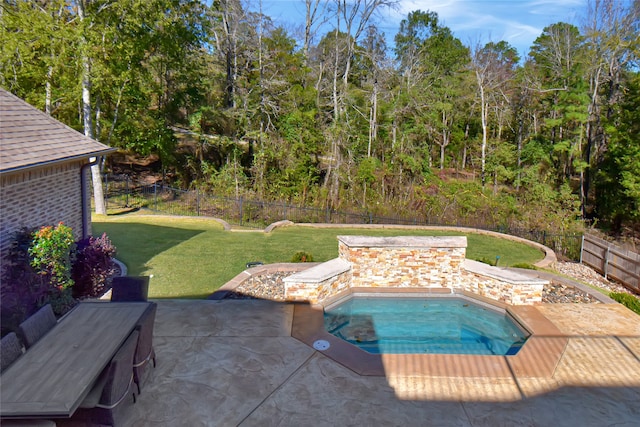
38, 197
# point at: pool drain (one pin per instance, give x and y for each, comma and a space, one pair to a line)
321, 345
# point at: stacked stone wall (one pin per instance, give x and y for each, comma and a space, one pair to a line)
416, 263
410, 262
314, 292
504, 291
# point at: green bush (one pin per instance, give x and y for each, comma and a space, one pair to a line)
524, 265
45, 266
487, 261
302, 256
51, 253
628, 300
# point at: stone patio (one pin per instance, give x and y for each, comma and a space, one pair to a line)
235, 362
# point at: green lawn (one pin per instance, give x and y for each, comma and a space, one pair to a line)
192, 257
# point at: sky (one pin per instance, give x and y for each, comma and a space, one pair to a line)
519, 22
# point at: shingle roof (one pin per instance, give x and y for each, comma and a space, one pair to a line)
29, 137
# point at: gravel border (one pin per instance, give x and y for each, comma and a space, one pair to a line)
267, 282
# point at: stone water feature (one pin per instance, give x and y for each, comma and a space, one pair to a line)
410, 262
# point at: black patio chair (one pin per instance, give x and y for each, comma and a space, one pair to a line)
10, 350
130, 288
36, 325
112, 393
144, 351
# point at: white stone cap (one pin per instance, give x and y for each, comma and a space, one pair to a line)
497, 273
404, 241
320, 273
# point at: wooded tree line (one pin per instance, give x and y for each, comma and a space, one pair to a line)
326, 113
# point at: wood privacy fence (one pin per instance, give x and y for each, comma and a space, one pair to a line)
612, 261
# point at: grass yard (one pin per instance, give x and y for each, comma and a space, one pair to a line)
192, 257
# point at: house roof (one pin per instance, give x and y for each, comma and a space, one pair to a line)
31, 138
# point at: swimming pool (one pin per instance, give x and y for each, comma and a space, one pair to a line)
424, 325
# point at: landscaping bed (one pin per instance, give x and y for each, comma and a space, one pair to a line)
271, 287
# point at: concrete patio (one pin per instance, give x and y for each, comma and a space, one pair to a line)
234, 362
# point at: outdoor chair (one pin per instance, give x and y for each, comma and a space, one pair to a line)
130, 288
36, 325
10, 351
144, 351
113, 390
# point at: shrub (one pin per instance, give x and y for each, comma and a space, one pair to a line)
23, 289
42, 266
61, 300
302, 256
524, 265
628, 300
93, 266
487, 261
51, 252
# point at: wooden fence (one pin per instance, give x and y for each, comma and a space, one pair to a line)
612, 261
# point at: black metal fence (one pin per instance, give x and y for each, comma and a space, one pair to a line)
121, 192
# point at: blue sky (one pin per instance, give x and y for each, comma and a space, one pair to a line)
518, 22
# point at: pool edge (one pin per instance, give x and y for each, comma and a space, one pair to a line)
538, 357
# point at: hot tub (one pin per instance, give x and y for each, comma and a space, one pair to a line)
401, 323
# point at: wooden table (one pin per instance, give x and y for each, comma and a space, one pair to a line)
53, 377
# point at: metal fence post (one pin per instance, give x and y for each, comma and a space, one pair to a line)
241, 214
606, 261
581, 248
197, 201
126, 185
155, 196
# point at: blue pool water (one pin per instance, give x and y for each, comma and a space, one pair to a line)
394, 325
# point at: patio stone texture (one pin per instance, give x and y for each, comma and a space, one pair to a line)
235, 363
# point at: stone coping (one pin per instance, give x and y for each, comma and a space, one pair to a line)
321, 272
537, 358
508, 276
404, 241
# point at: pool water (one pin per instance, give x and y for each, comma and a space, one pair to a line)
441, 325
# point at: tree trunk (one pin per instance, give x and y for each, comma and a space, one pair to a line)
86, 117
47, 99
373, 115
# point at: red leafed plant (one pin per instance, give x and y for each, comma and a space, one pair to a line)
93, 266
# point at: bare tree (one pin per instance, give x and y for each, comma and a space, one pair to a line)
314, 18
493, 66
228, 14
611, 32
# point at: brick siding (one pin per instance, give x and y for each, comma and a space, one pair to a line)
44, 196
